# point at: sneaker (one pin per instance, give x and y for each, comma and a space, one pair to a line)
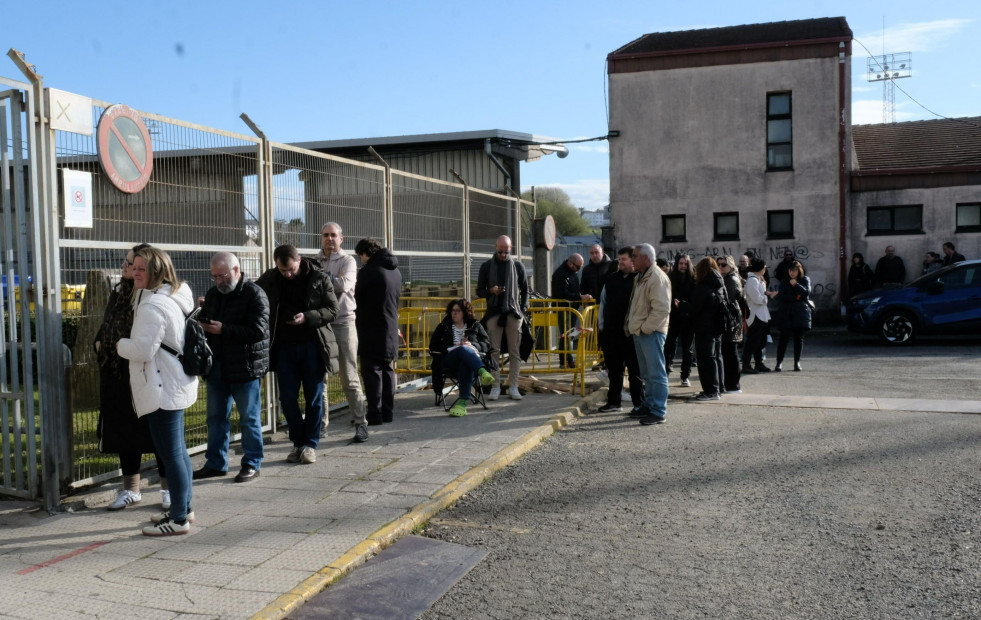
485, 377
294, 455
125, 498
762, 368
778, 367
610, 409
514, 393
308, 455
650, 419
361, 434
165, 515
797, 367
749, 370
167, 528
165, 499
495, 393
703, 397
735, 391
206, 472
459, 409
685, 383
639, 412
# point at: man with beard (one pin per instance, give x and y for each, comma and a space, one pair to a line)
235, 317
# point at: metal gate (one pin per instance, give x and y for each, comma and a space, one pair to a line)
18, 192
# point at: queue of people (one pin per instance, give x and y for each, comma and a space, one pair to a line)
286, 321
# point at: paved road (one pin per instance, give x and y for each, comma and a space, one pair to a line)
736, 511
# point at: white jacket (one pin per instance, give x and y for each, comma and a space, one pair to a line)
755, 293
156, 376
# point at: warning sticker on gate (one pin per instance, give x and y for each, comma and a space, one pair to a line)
125, 149
78, 198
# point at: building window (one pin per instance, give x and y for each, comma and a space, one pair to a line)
898, 220
969, 217
779, 132
673, 227
780, 224
726, 226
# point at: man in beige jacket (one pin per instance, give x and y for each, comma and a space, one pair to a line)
647, 322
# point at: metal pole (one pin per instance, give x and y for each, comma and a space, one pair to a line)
466, 234
388, 209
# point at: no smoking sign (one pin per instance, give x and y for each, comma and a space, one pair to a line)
125, 149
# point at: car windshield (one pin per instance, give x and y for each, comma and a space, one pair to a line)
933, 276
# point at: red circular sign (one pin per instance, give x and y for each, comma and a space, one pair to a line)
79, 197
125, 149
549, 232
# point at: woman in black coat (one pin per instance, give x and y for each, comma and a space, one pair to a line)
704, 307
119, 430
860, 276
376, 293
794, 315
730, 356
459, 345
679, 323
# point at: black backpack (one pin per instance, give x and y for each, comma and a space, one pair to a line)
729, 317
196, 358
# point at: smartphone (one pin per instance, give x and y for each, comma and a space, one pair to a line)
206, 321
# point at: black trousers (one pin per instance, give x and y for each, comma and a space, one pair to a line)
754, 341
785, 336
566, 321
709, 351
685, 333
620, 352
730, 366
130, 463
379, 389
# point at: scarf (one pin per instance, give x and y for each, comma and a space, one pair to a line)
116, 323
510, 303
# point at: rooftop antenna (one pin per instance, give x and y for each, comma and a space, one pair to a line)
888, 68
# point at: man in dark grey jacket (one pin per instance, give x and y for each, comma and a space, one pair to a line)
235, 316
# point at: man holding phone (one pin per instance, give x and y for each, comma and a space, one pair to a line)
301, 306
502, 282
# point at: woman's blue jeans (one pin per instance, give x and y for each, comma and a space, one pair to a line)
167, 431
463, 363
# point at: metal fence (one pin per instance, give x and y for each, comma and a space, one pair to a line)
210, 190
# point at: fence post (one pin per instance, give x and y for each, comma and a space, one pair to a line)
55, 448
267, 236
466, 233
517, 220
388, 208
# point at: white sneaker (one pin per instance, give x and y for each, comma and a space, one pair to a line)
163, 516
308, 455
124, 499
167, 528
685, 383
514, 393
495, 393
165, 499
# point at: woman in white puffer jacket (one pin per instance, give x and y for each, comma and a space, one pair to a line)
161, 389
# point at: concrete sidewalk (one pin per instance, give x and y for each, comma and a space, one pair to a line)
262, 547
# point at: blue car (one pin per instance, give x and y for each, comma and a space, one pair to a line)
947, 301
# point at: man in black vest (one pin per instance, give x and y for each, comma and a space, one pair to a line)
235, 316
618, 348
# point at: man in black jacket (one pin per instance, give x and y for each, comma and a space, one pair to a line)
507, 310
376, 294
890, 271
565, 285
235, 316
951, 255
594, 274
618, 347
302, 347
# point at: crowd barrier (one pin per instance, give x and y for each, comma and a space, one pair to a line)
558, 331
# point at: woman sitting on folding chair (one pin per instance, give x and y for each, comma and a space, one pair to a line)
459, 345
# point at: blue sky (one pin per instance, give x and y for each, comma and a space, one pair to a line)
332, 70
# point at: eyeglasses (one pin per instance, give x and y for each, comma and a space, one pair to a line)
127, 263
224, 277
721, 265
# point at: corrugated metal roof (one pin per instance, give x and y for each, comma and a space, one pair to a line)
735, 36
498, 136
918, 144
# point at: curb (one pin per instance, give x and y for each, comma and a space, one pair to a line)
422, 513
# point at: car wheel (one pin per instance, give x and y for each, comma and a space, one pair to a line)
897, 327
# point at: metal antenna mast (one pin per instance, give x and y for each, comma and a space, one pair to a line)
888, 68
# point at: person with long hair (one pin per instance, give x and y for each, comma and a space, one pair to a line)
703, 307
757, 317
680, 324
795, 313
458, 344
860, 275
730, 356
120, 431
161, 388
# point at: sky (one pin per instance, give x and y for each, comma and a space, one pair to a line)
325, 70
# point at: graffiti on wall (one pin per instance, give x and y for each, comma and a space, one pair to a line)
769, 253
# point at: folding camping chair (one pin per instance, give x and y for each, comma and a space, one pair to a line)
439, 379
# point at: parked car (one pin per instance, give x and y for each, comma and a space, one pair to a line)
947, 301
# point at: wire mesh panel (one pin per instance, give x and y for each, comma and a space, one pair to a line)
311, 189
202, 196
491, 215
427, 215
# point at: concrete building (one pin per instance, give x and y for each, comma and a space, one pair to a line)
740, 138
597, 219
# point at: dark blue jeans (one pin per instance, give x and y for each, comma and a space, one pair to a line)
301, 364
167, 431
463, 363
220, 397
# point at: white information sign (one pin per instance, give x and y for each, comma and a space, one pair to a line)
78, 198
69, 112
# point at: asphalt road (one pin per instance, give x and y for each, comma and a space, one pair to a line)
744, 512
